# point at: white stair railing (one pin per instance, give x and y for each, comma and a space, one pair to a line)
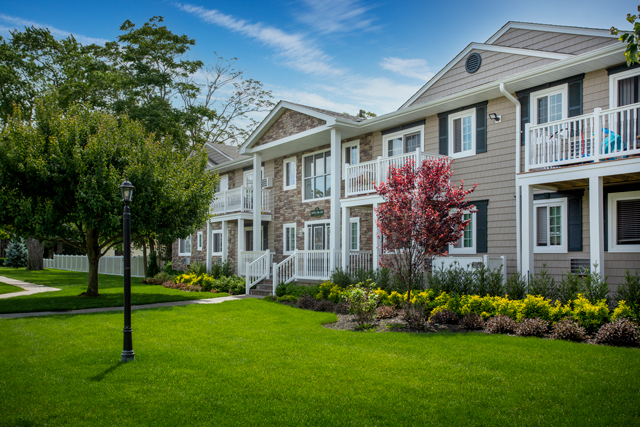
257, 270
286, 271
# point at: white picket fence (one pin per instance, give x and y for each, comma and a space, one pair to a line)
112, 265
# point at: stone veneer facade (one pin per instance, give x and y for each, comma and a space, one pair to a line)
290, 123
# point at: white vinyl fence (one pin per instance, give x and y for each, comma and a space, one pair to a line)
113, 265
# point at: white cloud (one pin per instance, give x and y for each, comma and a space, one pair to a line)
414, 68
331, 16
298, 52
19, 23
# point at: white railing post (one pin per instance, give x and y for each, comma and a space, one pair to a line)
347, 176
379, 170
598, 124
527, 147
275, 278
246, 277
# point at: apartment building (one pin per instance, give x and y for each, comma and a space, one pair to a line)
543, 118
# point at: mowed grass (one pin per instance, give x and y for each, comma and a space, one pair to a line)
253, 362
7, 289
72, 284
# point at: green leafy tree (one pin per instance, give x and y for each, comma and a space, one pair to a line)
59, 179
631, 53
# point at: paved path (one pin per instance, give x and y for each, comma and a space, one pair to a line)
29, 288
134, 307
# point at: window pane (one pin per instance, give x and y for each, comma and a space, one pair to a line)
308, 166
412, 142
395, 147
555, 226
319, 158
541, 226
327, 185
627, 91
288, 173
347, 155
555, 107
457, 136
354, 236
308, 188
628, 222
543, 105
181, 244
327, 163
319, 190
467, 135
354, 155
468, 231
188, 245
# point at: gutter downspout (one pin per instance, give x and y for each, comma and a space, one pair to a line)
518, 155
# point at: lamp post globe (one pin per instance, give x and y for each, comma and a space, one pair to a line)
126, 190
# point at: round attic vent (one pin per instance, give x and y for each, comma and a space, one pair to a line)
473, 63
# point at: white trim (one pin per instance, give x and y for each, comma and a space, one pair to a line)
291, 225
354, 143
302, 179
213, 241
184, 240
199, 241
580, 31
226, 179
564, 236
612, 199
326, 222
355, 220
533, 110
613, 84
249, 172
484, 47
250, 228
284, 173
464, 153
467, 251
402, 133
611, 167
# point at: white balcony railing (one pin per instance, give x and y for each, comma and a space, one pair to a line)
361, 178
239, 200
360, 260
306, 265
601, 135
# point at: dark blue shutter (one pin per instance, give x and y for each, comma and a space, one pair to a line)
443, 135
574, 222
481, 225
481, 129
524, 113
575, 98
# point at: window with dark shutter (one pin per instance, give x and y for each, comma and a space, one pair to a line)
628, 222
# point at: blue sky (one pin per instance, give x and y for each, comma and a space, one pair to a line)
341, 55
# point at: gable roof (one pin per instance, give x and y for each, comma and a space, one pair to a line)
490, 46
220, 153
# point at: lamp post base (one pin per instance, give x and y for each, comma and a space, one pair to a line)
127, 356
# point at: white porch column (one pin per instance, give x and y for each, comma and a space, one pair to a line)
596, 229
527, 230
225, 241
209, 247
376, 240
257, 200
241, 244
346, 237
336, 180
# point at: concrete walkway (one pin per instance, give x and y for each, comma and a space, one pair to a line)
29, 288
134, 307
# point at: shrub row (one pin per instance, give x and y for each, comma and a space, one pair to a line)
231, 284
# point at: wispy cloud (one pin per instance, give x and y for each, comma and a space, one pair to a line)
12, 22
414, 68
334, 16
299, 53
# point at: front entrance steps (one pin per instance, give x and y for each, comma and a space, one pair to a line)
263, 288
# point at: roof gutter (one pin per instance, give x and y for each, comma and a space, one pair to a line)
518, 155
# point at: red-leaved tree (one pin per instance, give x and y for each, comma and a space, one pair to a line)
421, 215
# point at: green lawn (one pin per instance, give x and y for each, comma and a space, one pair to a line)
252, 362
7, 289
72, 284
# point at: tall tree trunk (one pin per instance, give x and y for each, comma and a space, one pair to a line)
36, 251
93, 254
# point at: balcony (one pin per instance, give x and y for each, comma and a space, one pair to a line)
361, 178
239, 200
599, 136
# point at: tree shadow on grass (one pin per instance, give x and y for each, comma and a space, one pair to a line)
101, 376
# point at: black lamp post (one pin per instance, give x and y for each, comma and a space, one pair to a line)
126, 188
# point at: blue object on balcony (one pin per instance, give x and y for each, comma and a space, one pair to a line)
610, 140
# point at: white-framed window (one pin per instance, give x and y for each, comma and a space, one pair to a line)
248, 177
317, 176
462, 133
184, 246
317, 234
403, 142
350, 155
289, 173
624, 88
467, 243
199, 240
223, 184
354, 224
216, 242
248, 239
289, 238
550, 226
624, 222
549, 105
